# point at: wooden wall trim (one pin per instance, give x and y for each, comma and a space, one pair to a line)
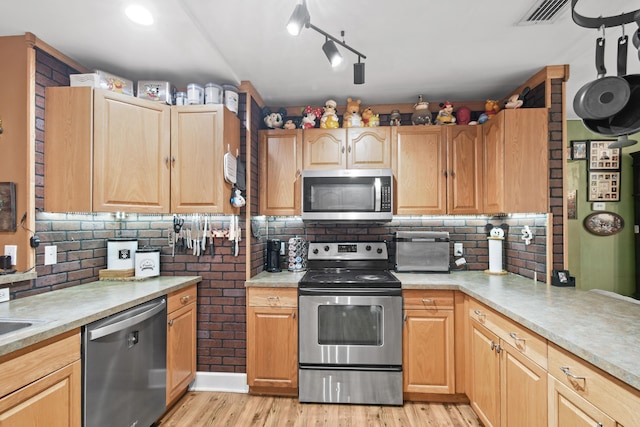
34, 41
248, 88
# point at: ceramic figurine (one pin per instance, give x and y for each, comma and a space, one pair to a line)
329, 119
394, 118
421, 115
351, 117
445, 115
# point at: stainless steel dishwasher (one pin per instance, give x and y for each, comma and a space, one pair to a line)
124, 367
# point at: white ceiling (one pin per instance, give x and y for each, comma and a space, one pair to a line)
460, 50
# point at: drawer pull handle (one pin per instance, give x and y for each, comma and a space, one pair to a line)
516, 337
481, 316
171, 322
568, 373
273, 298
478, 313
427, 300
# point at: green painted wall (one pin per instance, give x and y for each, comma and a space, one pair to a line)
602, 262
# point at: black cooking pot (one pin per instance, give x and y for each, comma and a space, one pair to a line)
604, 96
627, 120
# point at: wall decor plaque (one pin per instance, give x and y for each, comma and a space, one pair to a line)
604, 223
7, 206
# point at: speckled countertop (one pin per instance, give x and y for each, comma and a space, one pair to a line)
600, 329
65, 309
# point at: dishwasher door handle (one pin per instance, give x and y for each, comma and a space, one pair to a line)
123, 324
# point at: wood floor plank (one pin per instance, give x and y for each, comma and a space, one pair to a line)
204, 409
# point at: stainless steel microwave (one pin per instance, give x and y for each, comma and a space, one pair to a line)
364, 195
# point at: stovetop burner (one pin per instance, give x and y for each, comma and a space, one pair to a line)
344, 277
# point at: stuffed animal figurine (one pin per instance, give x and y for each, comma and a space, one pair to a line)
496, 230
329, 119
445, 115
274, 120
369, 119
491, 107
310, 115
289, 124
516, 100
351, 117
463, 116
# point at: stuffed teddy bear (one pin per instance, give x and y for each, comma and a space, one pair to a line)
274, 120
369, 119
309, 117
491, 107
445, 115
329, 119
351, 117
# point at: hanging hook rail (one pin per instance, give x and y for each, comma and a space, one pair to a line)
608, 21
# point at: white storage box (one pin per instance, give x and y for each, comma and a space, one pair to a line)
120, 253
103, 80
147, 262
156, 91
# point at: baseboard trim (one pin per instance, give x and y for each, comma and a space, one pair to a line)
220, 381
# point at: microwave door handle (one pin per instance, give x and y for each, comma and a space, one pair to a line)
377, 185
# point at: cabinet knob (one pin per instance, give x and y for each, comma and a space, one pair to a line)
166, 160
173, 160
170, 322
185, 299
342, 149
349, 149
444, 172
452, 173
293, 315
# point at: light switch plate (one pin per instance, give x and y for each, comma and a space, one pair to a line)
12, 250
50, 255
457, 249
598, 206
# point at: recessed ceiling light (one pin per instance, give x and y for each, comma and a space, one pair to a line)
139, 14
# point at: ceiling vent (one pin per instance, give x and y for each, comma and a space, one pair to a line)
544, 12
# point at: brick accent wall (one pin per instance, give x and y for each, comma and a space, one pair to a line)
556, 173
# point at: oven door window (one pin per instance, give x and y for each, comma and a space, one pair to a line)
350, 325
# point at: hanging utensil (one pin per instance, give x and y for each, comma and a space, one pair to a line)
607, 95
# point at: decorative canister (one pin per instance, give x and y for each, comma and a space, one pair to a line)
297, 254
120, 253
231, 97
148, 262
421, 115
213, 93
394, 118
195, 94
181, 98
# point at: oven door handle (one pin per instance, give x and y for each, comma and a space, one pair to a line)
350, 291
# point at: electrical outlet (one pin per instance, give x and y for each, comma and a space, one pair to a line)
12, 251
50, 255
282, 246
4, 294
457, 249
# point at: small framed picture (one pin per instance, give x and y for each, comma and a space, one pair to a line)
601, 157
603, 186
7, 206
579, 150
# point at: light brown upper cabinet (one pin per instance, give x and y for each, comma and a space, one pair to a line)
108, 152
438, 169
516, 161
200, 137
353, 148
280, 157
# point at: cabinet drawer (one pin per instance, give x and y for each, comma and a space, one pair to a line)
617, 399
272, 297
428, 299
182, 297
521, 338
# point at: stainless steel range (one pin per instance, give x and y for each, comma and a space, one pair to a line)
350, 326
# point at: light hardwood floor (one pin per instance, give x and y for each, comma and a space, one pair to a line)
198, 409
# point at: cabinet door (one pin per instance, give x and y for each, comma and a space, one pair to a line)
523, 389
200, 136
485, 374
465, 177
567, 408
428, 353
369, 148
325, 149
53, 400
181, 350
419, 166
493, 165
280, 156
130, 154
272, 347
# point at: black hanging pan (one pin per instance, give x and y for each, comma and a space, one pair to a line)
605, 96
627, 120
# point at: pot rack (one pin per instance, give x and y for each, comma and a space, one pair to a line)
607, 22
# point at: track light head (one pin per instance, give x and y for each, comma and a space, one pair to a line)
333, 55
358, 73
299, 18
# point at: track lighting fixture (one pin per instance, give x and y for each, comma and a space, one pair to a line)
300, 18
330, 49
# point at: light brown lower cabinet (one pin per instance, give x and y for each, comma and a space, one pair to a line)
567, 408
42, 384
507, 379
428, 343
272, 341
182, 316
